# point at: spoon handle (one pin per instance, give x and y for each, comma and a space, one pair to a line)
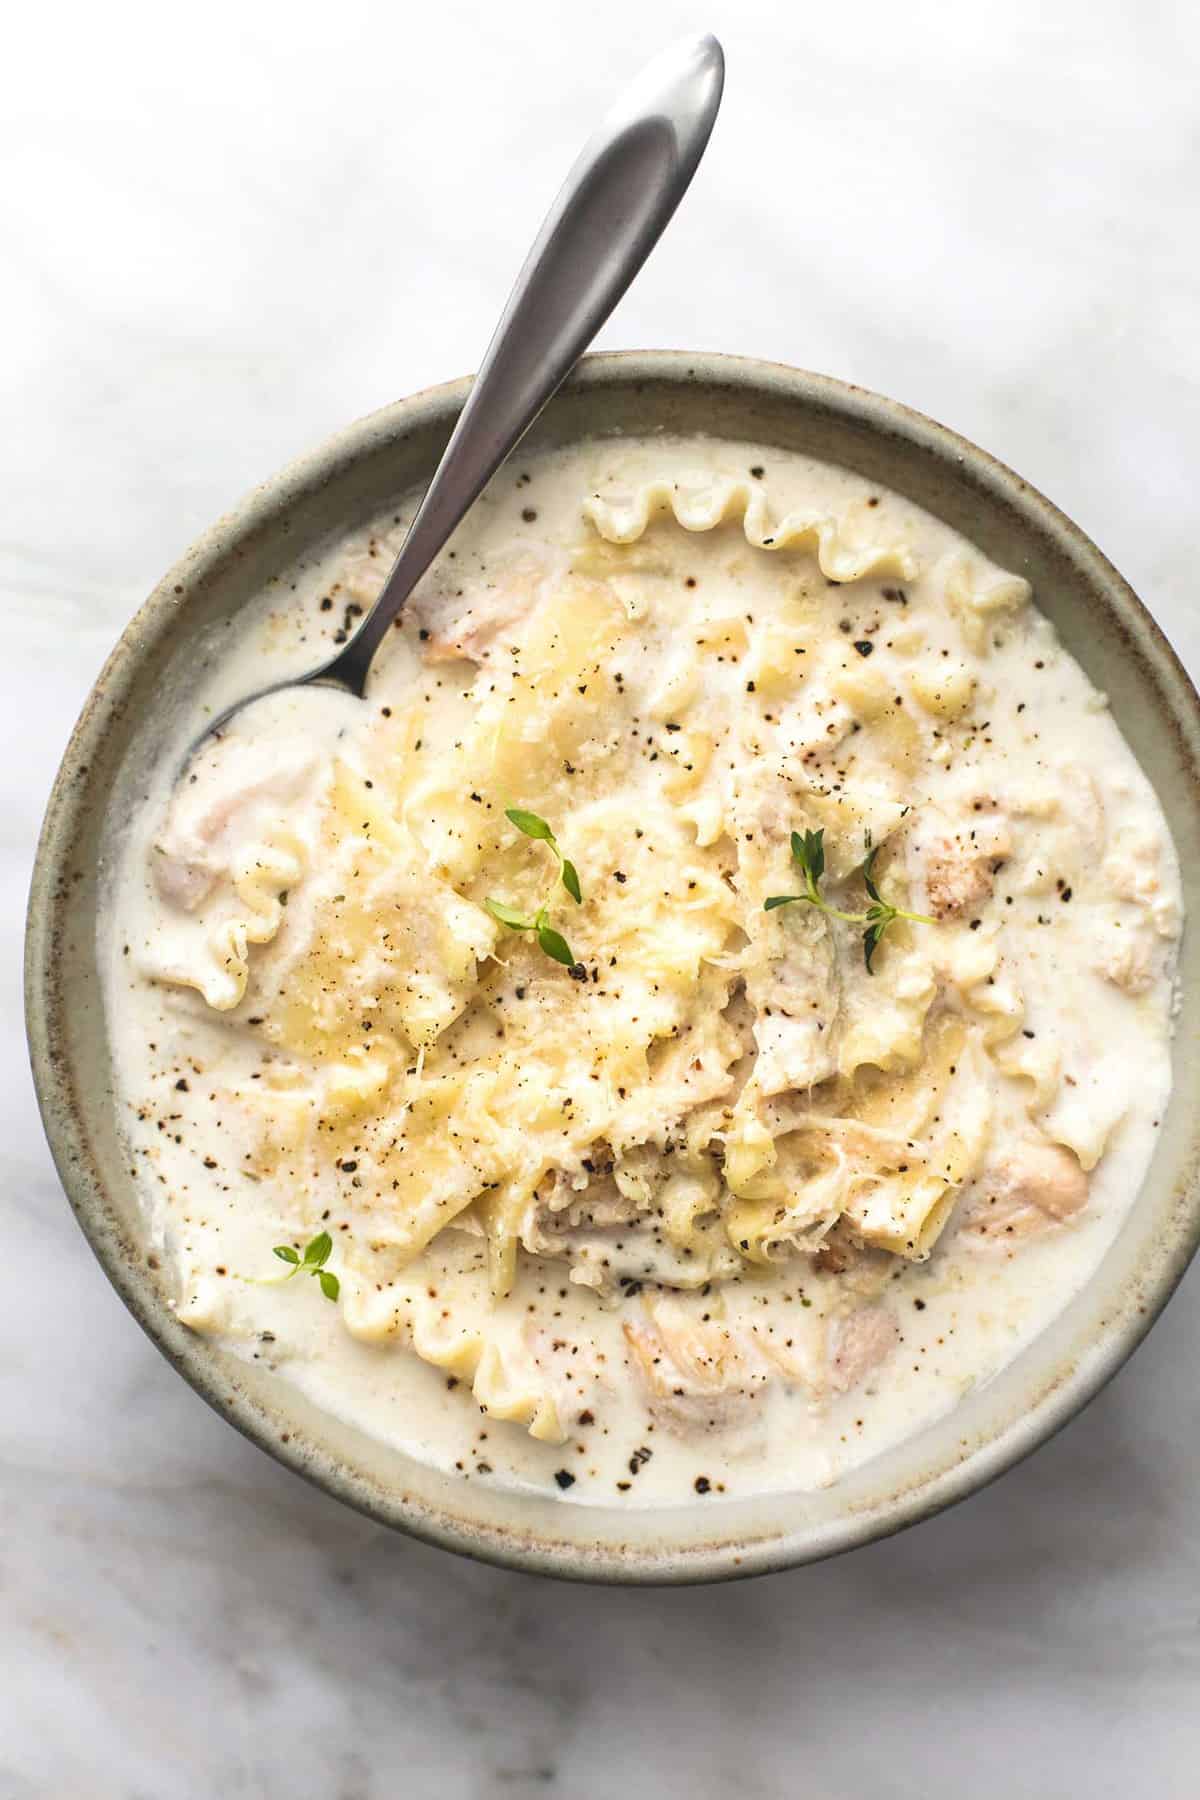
612, 209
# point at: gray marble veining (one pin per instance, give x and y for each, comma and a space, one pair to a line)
223, 242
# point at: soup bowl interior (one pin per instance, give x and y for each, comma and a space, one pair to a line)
122, 731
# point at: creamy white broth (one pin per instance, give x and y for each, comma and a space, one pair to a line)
767, 1294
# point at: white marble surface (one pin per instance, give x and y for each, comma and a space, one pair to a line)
227, 230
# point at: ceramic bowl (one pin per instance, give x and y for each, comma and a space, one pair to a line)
357, 475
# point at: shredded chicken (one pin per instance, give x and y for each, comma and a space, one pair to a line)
615, 1241
796, 998
863, 1269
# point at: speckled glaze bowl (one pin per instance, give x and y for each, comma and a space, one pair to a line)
359, 473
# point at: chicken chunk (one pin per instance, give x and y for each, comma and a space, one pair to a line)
454, 633
233, 790
1134, 871
959, 870
953, 858
860, 1343
1038, 1186
956, 879
696, 1374
1128, 957
1085, 805
183, 881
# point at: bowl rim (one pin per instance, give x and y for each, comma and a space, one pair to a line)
195, 1358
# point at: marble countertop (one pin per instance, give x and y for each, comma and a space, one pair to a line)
227, 232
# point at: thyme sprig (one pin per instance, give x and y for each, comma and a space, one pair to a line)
316, 1255
549, 940
808, 853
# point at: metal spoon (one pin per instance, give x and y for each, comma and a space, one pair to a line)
613, 207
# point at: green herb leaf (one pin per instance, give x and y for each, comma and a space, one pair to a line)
318, 1251
508, 915
808, 853
871, 937
551, 941
808, 850
555, 945
316, 1255
529, 823
868, 871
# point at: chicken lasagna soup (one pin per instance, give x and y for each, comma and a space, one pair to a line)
702, 1013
